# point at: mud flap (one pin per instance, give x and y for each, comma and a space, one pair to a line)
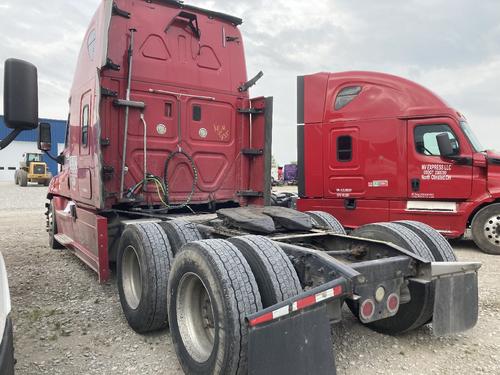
299, 344
455, 304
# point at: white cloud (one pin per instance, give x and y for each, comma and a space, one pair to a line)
451, 47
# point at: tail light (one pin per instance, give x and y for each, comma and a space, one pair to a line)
367, 309
393, 303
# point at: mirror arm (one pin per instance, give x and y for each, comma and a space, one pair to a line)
58, 160
8, 140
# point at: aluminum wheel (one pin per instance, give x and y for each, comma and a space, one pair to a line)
131, 277
492, 230
195, 317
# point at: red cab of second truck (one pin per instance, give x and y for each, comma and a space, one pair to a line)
368, 153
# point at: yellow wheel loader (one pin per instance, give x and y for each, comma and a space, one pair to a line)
32, 169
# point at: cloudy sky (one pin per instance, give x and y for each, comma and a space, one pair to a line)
452, 47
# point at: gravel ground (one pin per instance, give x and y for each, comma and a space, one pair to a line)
66, 323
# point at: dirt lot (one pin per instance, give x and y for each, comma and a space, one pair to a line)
66, 323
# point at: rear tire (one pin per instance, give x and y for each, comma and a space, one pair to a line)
23, 178
16, 178
273, 271
419, 310
211, 291
438, 245
323, 220
180, 232
143, 266
486, 229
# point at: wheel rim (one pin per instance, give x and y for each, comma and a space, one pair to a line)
492, 230
131, 277
195, 317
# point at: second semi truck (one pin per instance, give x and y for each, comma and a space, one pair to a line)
376, 147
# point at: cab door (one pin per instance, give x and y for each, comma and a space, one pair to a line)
429, 175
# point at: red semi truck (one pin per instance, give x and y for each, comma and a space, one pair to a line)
376, 147
166, 173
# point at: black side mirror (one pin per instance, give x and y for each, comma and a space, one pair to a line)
44, 137
445, 146
20, 95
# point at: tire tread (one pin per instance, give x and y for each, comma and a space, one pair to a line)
324, 220
237, 280
439, 246
278, 269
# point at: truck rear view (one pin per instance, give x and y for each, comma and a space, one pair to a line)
166, 173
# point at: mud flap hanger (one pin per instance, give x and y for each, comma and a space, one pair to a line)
192, 21
456, 301
294, 337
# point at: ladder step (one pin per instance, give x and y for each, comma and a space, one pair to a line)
63, 239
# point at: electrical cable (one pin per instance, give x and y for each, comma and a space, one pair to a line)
195, 178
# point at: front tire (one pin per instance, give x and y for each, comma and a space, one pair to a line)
52, 227
486, 229
143, 266
211, 291
23, 178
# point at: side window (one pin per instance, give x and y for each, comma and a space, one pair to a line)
85, 126
426, 142
168, 109
346, 95
344, 148
196, 113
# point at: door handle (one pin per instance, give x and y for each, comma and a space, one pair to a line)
350, 204
415, 184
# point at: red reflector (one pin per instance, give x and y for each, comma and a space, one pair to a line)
393, 302
367, 309
261, 319
304, 302
297, 305
337, 290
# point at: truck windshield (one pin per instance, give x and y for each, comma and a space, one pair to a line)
471, 136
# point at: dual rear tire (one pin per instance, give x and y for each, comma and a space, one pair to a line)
424, 242
205, 293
